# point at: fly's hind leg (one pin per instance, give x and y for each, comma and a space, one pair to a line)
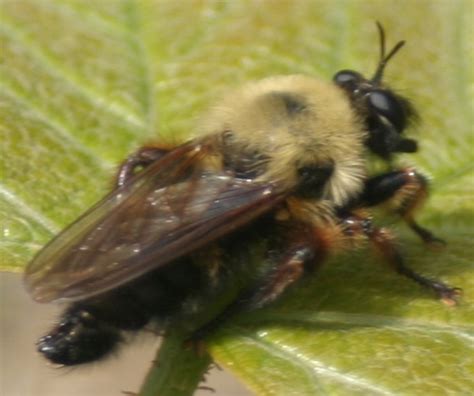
405, 192
143, 157
302, 255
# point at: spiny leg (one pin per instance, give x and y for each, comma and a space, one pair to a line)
286, 272
383, 241
299, 257
405, 191
143, 157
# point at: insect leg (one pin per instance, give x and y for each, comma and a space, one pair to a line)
143, 157
285, 272
298, 259
383, 241
405, 191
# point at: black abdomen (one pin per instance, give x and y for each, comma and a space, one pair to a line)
91, 329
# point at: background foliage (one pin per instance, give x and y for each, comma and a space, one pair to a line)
82, 84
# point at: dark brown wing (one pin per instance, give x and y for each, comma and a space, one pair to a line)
166, 211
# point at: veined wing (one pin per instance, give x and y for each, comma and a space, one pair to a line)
166, 211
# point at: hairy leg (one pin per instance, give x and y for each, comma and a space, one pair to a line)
302, 254
383, 241
405, 192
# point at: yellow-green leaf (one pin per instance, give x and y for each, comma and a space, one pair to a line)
84, 83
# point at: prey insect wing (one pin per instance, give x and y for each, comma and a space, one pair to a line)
166, 211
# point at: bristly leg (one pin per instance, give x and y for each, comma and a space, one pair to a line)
405, 192
302, 255
426, 235
383, 241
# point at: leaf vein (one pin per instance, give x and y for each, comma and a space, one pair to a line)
77, 83
367, 320
17, 202
292, 354
58, 126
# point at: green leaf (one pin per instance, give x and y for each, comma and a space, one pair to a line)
84, 83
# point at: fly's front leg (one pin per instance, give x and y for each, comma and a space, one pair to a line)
405, 192
143, 157
384, 242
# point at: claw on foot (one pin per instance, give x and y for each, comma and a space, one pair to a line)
450, 295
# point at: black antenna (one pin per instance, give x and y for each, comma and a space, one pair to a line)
384, 58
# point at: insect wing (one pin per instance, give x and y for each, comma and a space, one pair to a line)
166, 211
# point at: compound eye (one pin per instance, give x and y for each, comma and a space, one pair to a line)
348, 79
386, 104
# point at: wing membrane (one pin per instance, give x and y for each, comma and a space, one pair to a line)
166, 211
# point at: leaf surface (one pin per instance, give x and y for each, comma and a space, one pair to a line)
82, 84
